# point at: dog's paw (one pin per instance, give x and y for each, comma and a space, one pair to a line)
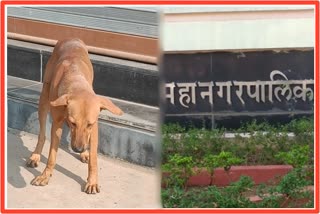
40, 180
91, 188
33, 161
84, 156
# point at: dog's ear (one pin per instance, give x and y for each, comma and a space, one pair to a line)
106, 104
61, 101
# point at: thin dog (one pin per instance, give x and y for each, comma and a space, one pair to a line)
69, 96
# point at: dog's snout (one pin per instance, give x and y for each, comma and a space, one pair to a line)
77, 149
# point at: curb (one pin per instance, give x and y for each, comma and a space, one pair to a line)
259, 174
114, 140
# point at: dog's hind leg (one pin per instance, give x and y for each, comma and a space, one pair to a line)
42, 114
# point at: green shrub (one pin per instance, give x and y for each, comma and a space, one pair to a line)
298, 156
184, 149
209, 197
260, 149
180, 168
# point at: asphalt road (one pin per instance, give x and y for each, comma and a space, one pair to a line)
122, 185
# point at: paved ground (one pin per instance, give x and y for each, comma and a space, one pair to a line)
123, 185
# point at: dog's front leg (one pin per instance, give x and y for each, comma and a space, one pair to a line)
56, 132
92, 182
84, 156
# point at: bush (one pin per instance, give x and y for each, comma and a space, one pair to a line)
184, 149
264, 143
209, 197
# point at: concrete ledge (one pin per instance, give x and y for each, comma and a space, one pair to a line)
131, 137
122, 79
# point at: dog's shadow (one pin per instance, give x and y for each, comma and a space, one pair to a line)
17, 156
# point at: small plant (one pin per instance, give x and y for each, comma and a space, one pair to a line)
303, 130
224, 159
209, 197
301, 126
172, 128
287, 193
243, 184
233, 196
270, 197
292, 184
172, 197
298, 156
180, 169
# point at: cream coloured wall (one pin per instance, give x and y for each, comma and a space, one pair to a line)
242, 28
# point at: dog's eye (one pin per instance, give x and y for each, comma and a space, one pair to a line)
73, 124
89, 125
71, 121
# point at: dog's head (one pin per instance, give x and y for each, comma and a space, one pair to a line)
82, 115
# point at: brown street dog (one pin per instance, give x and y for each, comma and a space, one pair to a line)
68, 94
